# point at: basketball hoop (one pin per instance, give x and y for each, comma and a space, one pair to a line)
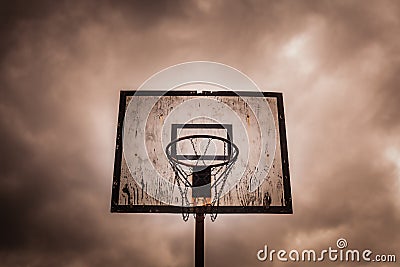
203, 172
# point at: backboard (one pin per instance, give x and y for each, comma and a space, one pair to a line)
229, 147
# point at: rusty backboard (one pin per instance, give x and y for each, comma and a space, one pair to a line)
144, 179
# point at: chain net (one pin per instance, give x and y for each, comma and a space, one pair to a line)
220, 171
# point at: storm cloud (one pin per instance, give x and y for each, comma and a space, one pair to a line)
64, 62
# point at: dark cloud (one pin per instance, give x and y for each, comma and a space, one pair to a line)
63, 63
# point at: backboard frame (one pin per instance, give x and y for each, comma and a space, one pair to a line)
118, 208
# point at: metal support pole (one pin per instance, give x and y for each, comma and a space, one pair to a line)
199, 241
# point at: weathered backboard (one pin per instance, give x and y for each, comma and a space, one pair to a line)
247, 125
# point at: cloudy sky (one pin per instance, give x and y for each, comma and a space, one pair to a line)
64, 62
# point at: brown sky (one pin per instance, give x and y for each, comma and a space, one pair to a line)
64, 62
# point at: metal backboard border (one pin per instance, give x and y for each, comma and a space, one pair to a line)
115, 207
